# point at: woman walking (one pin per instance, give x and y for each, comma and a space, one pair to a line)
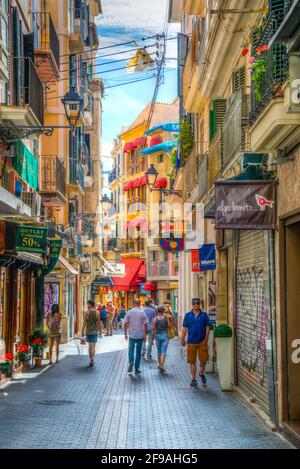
160, 326
53, 323
91, 325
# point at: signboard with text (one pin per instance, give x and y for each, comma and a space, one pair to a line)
248, 205
204, 258
31, 239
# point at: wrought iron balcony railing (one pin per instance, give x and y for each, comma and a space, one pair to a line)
53, 175
46, 37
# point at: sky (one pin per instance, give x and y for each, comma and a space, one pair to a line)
123, 21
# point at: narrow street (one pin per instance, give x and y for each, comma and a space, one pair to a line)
70, 405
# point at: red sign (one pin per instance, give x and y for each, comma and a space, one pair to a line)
195, 260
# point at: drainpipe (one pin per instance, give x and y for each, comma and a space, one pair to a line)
273, 379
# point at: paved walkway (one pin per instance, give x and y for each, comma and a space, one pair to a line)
72, 406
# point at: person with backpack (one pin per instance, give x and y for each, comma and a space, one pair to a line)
54, 328
160, 325
91, 326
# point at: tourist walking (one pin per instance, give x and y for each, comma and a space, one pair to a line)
160, 325
147, 344
54, 328
110, 314
136, 325
91, 326
122, 316
103, 316
196, 325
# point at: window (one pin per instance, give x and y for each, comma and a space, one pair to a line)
238, 80
160, 158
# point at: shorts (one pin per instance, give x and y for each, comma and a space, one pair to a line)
197, 349
92, 338
162, 343
55, 337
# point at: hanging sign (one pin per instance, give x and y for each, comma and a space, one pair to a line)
31, 239
204, 258
248, 205
54, 248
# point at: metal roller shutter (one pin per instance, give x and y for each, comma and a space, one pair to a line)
250, 318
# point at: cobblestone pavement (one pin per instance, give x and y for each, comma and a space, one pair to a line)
104, 407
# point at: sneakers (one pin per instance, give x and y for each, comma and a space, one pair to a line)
138, 372
194, 382
203, 380
130, 367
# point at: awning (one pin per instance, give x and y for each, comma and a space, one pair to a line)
156, 140
102, 281
127, 186
168, 127
150, 286
129, 146
24, 257
161, 183
138, 142
141, 181
165, 147
63, 261
26, 165
142, 272
131, 278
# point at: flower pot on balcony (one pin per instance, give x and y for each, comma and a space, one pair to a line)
6, 368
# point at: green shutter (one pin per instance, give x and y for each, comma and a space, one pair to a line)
238, 80
216, 116
26, 165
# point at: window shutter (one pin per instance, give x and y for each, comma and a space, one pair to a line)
16, 50
216, 116
238, 80
29, 45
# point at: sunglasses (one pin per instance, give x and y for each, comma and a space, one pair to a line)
196, 303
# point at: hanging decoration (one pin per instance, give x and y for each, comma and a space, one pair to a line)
140, 62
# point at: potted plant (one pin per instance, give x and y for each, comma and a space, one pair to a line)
7, 364
23, 353
223, 337
38, 340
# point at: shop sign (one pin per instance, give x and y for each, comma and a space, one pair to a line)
54, 248
31, 239
204, 258
248, 205
119, 269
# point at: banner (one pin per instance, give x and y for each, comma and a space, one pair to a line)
204, 258
172, 244
54, 247
248, 205
31, 239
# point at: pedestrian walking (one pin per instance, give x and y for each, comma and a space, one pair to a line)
196, 325
110, 314
136, 325
152, 305
54, 328
103, 316
160, 325
122, 316
147, 344
91, 326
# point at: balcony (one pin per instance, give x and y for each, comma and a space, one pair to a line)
235, 125
289, 30
202, 175
27, 97
162, 270
52, 181
76, 175
194, 7
190, 79
112, 176
215, 157
275, 61
46, 47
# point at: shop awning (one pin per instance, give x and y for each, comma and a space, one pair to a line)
156, 140
138, 142
63, 261
141, 181
131, 278
129, 146
150, 286
165, 147
127, 186
168, 127
102, 281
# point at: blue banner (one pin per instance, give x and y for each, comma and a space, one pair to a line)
207, 254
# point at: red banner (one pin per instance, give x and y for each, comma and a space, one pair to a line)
195, 260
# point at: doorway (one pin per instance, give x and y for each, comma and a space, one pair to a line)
292, 325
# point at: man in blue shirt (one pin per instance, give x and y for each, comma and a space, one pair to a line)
196, 324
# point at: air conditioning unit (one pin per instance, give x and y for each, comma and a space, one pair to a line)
292, 92
34, 200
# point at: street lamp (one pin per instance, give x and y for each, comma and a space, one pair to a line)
151, 176
72, 103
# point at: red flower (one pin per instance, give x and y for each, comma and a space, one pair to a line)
245, 51
8, 357
37, 341
23, 348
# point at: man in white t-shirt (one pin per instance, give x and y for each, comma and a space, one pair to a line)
136, 324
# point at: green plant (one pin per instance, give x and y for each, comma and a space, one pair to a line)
173, 157
223, 331
259, 72
186, 139
23, 353
39, 334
